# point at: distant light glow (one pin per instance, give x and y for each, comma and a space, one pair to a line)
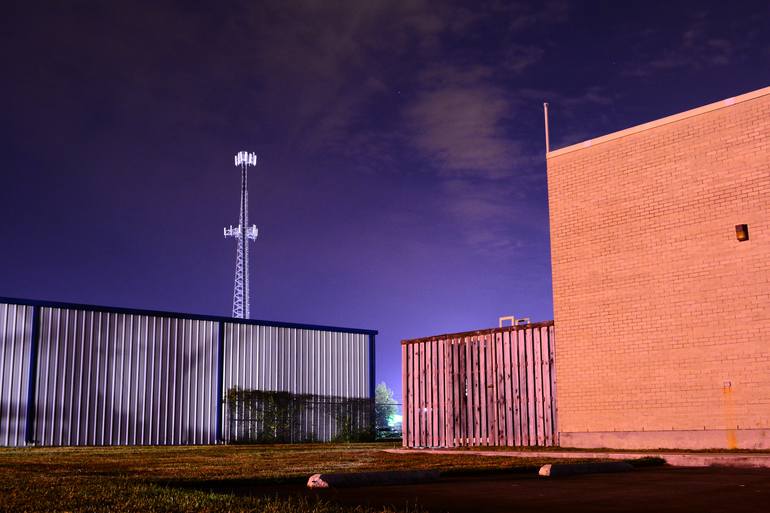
395, 420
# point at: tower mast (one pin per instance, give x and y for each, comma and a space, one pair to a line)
243, 233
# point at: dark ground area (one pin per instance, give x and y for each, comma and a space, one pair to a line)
642, 490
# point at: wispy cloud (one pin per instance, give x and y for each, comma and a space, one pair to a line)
697, 47
459, 128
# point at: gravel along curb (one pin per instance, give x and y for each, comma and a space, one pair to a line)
571, 469
372, 478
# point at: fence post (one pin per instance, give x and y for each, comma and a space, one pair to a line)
32, 379
220, 377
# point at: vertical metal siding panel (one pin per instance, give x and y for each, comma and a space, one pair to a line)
424, 366
437, 397
519, 414
92, 431
473, 385
469, 403
489, 390
151, 358
446, 383
9, 341
85, 379
362, 366
143, 423
297, 362
415, 394
75, 383
455, 397
174, 380
507, 367
84, 393
521, 336
196, 379
352, 369
213, 379
25, 345
16, 344
42, 376
60, 364
110, 342
435, 394
130, 383
343, 356
293, 361
7, 344
228, 366
459, 393
474, 391
528, 370
339, 362
404, 397
164, 363
416, 371
280, 368
454, 393
159, 371
194, 373
537, 368
440, 405
499, 375
272, 348
67, 379
426, 393
57, 366
547, 419
203, 386
48, 374
324, 379
552, 373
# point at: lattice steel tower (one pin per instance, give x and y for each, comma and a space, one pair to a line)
244, 233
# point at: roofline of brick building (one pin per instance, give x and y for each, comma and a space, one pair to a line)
660, 122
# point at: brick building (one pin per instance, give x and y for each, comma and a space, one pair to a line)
662, 315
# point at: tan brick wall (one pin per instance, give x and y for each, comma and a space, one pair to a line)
656, 303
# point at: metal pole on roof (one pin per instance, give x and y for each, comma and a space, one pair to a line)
545, 116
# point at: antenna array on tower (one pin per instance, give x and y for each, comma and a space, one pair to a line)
243, 233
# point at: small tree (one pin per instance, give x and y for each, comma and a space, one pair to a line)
384, 405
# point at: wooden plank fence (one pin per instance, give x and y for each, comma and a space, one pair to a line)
480, 388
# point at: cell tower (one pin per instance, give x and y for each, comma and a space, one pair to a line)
244, 233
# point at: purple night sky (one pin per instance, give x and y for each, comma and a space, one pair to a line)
402, 180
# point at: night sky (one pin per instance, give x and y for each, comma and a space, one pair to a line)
402, 182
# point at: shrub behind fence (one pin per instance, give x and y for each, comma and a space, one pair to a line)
259, 416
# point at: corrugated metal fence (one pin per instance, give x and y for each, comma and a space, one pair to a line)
87, 375
492, 387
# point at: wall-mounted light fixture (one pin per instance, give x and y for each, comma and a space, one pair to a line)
742, 232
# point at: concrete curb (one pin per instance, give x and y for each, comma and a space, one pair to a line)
372, 478
703, 459
571, 469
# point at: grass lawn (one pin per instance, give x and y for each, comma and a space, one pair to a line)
176, 478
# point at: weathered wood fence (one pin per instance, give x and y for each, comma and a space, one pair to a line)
491, 387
